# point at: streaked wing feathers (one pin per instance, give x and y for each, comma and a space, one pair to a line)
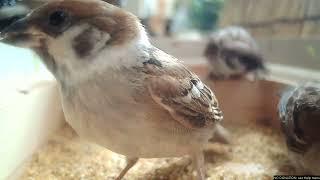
183, 95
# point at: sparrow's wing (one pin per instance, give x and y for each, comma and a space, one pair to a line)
181, 92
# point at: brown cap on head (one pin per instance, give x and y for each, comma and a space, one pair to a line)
54, 18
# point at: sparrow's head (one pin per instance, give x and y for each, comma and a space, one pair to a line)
70, 34
299, 111
232, 41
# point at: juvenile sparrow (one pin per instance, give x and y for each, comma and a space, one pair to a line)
117, 89
233, 53
299, 111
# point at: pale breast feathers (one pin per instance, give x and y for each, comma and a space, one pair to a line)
180, 92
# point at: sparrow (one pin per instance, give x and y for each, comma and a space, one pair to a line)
117, 89
299, 112
233, 53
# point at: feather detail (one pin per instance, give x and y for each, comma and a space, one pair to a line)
181, 92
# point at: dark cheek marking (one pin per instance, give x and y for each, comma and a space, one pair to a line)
82, 44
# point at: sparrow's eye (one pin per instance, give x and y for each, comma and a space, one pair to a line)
58, 18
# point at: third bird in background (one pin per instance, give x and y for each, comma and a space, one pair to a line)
233, 53
299, 111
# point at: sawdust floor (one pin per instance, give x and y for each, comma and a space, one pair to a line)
258, 152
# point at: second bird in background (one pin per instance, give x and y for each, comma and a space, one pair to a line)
233, 53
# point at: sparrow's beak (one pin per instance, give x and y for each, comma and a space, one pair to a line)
20, 34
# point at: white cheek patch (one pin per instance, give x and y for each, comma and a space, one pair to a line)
92, 40
61, 47
101, 55
62, 50
104, 38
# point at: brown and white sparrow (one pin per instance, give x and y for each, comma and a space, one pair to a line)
299, 111
233, 53
117, 89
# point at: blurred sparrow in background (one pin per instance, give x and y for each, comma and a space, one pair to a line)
233, 53
299, 111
